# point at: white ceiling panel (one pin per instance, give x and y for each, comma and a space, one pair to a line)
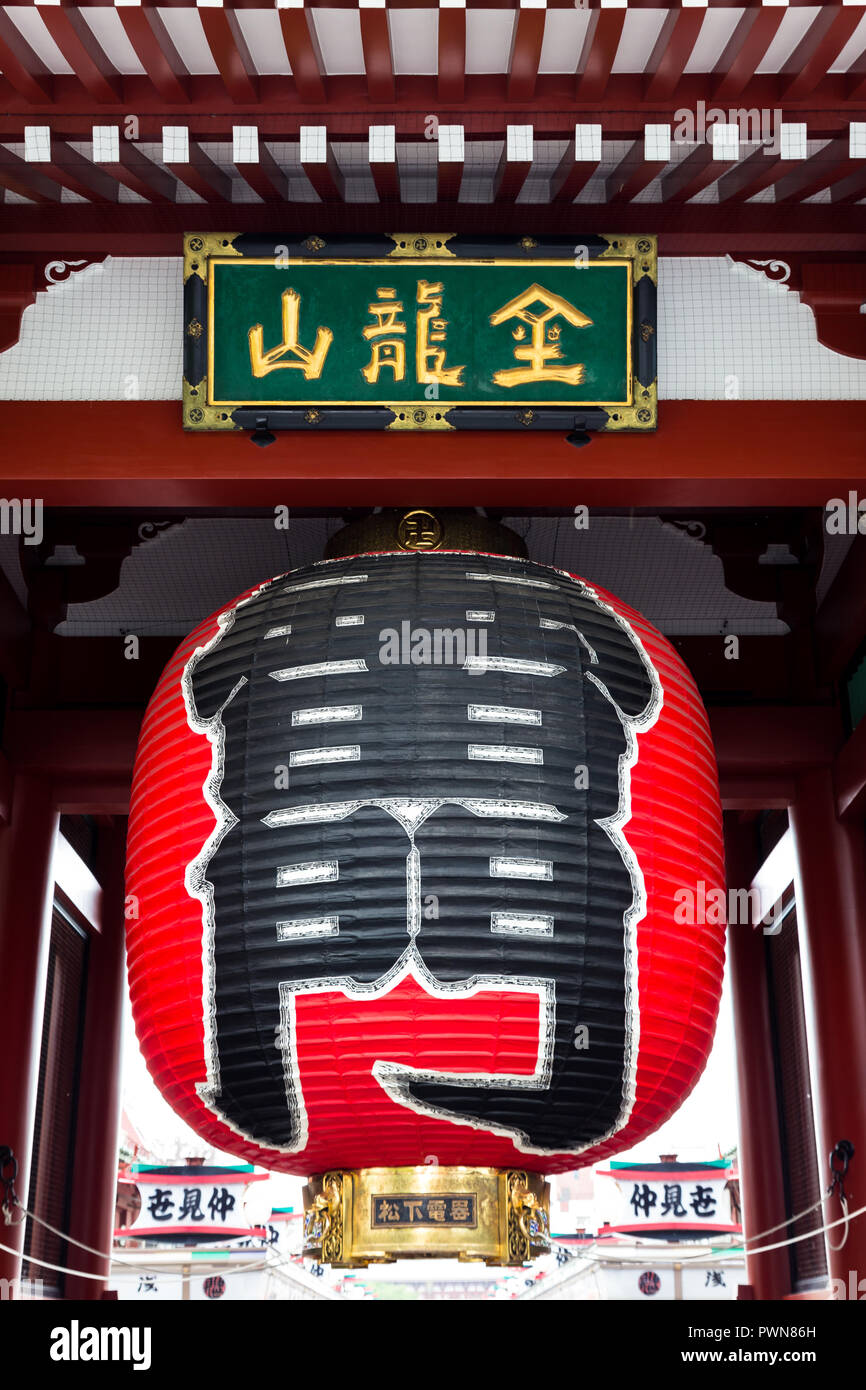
414, 42
716, 31
105, 25
339, 36
185, 31
28, 21
789, 33
264, 38
489, 35
639, 34
564, 37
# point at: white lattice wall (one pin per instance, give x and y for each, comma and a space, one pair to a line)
113, 332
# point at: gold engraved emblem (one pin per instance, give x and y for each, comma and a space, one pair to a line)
419, 530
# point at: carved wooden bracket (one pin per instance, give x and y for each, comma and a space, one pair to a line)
21, 278
834, 289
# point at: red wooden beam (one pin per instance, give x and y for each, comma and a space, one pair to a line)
774, 738
855, 94
383, 166
452, 55
525, 54
450, 156
156, 52
136, 171
230, 53
752, 175
386, 177
835, 291
671, 52
17, 293
850, 189
211, 116
510, 176
79, 174
27, 180
323, 171
265, 176
692, 174
73, 743
840, 623
745, 50
760, 1148
685, 229
88, 61
302, 48
599, 50
781, 448
572, 174
632, 175
21, 67
378, 64
824, 40
200, 174
849, 776
824, 169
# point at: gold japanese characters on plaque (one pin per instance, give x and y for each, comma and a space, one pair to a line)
426, 332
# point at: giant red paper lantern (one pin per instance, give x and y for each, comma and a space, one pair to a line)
400, 897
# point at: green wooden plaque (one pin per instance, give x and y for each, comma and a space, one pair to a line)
420, 332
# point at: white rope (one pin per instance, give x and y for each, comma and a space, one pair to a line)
274, 1265
91, 1250
771, 1230
45, 1264
116, 1259
793, 1240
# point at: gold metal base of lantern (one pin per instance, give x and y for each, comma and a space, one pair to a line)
418, 528
379, 1215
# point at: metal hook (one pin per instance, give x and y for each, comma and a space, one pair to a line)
840, 1159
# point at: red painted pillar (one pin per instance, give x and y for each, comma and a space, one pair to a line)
831, 858
94, 1177
26, 845
760, 1153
